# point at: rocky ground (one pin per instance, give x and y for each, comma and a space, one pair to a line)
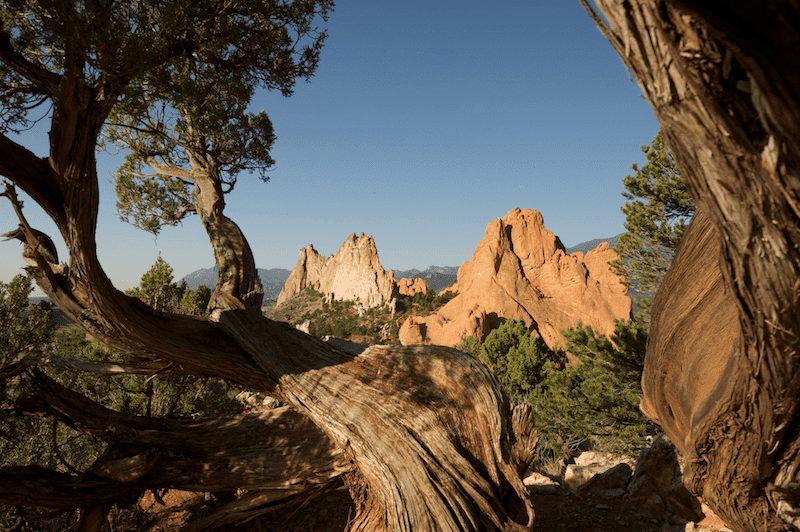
563, 512
598, 493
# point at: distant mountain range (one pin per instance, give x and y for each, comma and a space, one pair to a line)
272, 280
436, 278
591, 244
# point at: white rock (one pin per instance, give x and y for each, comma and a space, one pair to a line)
542, 485
576, 475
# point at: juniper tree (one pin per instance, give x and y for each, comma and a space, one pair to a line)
172, 82
722, 84
518, 358
597, 399
158, 290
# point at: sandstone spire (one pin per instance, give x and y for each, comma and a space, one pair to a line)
354, 273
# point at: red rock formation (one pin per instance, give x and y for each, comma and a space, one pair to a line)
410, 288
521, 270
412, 331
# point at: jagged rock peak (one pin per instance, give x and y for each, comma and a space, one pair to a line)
354, 273
520, 270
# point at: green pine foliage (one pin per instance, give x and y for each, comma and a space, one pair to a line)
191, 120
593, 402
24, 326
158, 290
596, 401
518, 359
160, 396
426, 303
655, 220
26, 329
469, 345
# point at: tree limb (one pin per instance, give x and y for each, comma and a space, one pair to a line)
46, 81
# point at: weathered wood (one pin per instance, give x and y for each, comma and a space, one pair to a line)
426, 431
723, 84
278, 454
694, 332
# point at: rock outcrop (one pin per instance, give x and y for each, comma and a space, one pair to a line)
658, 481
520, 270
410, 288
354, 273
655, 488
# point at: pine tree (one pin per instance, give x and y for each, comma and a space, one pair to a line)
517, 358
596, 400
656, 220
158, 290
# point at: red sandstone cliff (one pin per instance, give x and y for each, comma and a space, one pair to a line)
521, 270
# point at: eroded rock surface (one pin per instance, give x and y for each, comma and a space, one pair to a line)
354, 273
520, 270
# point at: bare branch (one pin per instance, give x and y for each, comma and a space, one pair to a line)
180, 173
57, 361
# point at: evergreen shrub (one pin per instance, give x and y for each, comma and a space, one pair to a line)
593, 403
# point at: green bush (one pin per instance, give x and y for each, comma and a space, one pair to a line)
469, 345
597, 400
23, 326
46, 442
593, 403
518, 359
315, 294
27, 440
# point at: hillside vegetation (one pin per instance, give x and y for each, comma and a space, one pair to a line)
346, 319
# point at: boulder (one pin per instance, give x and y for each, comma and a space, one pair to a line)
609, 460
410, 288
542, 485
354, 273
610, 480
412, 332
658, 482
520, 270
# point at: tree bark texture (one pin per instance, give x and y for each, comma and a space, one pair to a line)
723, 81
425, 432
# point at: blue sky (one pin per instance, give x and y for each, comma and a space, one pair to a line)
425, 121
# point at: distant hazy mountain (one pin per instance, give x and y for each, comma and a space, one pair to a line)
591, 244
272, 280
414, 273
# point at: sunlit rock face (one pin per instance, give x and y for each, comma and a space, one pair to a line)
354, 273
520, 270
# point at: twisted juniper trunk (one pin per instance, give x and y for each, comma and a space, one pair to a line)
238, 282
723, 83
426, 432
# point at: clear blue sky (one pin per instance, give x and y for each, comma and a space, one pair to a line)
426, 120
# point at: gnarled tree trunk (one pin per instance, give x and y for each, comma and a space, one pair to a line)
723, 81
426, 432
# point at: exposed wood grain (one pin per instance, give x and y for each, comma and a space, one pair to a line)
723, 84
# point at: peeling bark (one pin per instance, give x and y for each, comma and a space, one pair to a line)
723, 84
